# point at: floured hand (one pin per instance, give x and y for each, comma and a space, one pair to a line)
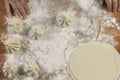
112, 5
18, 7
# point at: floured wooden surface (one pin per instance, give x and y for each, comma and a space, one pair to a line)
2, 31
52, 51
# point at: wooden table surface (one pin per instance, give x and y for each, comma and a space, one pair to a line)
2, 30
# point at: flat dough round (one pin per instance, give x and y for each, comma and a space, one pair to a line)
94, 61
117, 60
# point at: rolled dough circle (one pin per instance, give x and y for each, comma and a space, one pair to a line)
94, 61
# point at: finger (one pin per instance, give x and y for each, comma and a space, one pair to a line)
119, 6
7, 7
115, 5
26, 7
27, 0
109, 4
101, 1
21, 9
16, 9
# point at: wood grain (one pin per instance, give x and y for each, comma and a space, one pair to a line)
2, 30
116, 15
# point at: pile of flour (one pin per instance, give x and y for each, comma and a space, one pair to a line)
52, 51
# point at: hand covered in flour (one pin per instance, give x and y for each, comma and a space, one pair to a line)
17, 7
112, 5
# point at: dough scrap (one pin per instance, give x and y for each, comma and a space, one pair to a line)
10, 68
94, 61
64, 19
36, 32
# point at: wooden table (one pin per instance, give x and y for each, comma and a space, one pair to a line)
2, 30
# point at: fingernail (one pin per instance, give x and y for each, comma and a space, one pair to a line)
119, 10
29, 13
101, 2
25, 17
22, 17
110, 10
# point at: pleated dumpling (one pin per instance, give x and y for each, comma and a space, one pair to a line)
10, 68
64, 19
13, 45
36, 32
16, 25
31, 67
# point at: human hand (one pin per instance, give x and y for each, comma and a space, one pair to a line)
112, 5
18, 7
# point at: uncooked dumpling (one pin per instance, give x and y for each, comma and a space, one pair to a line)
36, 32
15, 25
64, 19
12, 45
95, 61
31, 67
10, 69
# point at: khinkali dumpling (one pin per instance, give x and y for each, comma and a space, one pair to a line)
31, 67
13, 45
64, 19
10, 68
15, 25
36, 32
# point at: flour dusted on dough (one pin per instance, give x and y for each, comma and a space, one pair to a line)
28, 78
31, 67
10, 68
64, 19
82, 63
36, 32
16, 25
25, 45
13, 45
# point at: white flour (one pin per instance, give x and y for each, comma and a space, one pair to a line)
52, 51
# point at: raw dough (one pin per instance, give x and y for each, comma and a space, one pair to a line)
13, 45
117, 59
94, 61
15, 25
10, 69
36, 32
64, 19
31, 67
